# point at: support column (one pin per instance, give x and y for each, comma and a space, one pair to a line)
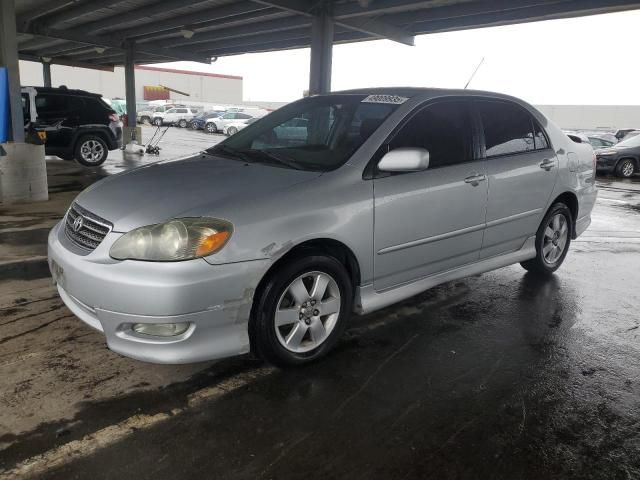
130, 84
9, 59
321, 51
46, 73
23, 171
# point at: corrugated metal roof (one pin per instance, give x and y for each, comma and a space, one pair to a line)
95, 32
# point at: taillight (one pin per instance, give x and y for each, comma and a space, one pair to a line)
114, 117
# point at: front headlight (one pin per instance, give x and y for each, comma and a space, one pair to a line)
177, 239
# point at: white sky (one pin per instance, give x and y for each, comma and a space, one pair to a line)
584, 61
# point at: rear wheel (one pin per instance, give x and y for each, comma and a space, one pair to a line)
182, 123
302, 310
157, 122
145, 119
626, 168
552, 240
91, 151
232, 131
211, 127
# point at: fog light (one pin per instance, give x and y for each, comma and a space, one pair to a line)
161, 329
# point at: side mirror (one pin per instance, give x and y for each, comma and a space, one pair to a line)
405, 159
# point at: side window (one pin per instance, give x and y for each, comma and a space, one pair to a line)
242, 115
508, 129
171, 110
48, 105
182, 110
444, 129
541, 139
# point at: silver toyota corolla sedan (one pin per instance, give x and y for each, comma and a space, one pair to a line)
269, 240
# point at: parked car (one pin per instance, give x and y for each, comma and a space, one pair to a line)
215, 125
237, 125
77, 124
148, 114
623, 132
598, 142
180, 116
622, 159
269, 243
198, 122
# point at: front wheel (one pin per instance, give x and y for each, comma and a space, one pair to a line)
625, 168
157, 122
552, 240
302, 310
211, 128
182, 123
91, 151
232, 131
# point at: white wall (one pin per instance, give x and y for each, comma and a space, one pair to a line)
111, 84
593, 116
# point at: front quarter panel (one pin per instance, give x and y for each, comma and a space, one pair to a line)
337, 205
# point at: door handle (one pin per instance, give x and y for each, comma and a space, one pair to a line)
475, 179
547, 164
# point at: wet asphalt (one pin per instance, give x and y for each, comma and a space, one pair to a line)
503, 375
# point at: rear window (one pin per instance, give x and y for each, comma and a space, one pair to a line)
508, 128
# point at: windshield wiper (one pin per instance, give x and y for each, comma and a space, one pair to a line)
225, 150
275, 157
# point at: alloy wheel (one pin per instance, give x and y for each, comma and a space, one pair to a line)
555, 238
92, 151
627, 169
307, 312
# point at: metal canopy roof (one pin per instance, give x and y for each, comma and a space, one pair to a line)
96, 33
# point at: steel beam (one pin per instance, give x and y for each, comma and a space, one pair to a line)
268, 26
9, 58
371, 26
74, 10
218, 13
108, 41
130, 83
46, 73
321, 53
67, 62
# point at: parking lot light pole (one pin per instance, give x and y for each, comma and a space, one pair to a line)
130, 85
321, 51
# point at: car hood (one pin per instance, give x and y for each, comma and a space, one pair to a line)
200, 185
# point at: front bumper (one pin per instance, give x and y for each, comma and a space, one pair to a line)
606, 164
111, 296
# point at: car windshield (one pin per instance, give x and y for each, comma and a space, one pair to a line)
317, 133
631, 141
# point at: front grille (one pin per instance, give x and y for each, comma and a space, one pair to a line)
91, 231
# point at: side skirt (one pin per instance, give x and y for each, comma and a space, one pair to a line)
369, 300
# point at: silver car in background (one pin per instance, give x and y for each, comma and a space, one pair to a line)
268, 241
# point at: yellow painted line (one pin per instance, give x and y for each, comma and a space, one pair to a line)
91, 443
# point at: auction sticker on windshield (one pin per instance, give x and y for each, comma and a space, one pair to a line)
392, 99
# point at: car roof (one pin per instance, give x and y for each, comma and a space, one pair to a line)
420, 91
65, 91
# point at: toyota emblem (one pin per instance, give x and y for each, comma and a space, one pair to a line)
78, 223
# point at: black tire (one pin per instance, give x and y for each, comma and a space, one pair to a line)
263, 330
91, 150
540, 264
157, 122
182, 123
193, 125
145, 119
626, 168
232, 131
211, 127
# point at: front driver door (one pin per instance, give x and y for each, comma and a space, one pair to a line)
433, 220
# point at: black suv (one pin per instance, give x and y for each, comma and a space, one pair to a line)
77, 124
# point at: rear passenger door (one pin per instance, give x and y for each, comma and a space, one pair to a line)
432, 220
522, 169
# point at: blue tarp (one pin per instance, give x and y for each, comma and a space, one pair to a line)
4, 105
